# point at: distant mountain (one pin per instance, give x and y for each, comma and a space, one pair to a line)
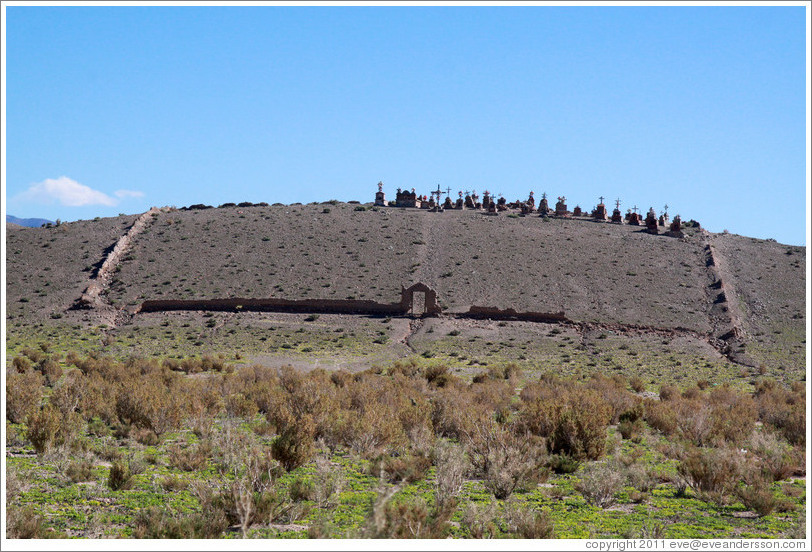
30, 222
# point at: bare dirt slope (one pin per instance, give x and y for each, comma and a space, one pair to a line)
47, 269
593, 272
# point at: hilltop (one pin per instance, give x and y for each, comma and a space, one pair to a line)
735, 301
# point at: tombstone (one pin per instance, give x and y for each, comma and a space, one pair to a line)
431, 204
380, 197
475, 199
616, 216
661, 220
448, 204
486, 201
600, 211
460, 203
544, 208
561, 207
634, 219
407, 199
531, 202
577, 212
469, 202
651, 221
675, 230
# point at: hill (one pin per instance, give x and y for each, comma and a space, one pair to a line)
27, 222
742, 297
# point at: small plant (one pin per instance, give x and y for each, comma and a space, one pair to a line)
600, 483
120, 478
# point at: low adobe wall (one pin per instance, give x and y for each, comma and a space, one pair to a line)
511, 314
340, 306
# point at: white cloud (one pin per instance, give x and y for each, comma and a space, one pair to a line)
68, 192
128, 193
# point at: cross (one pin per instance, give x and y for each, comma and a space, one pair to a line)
448, 191
467, 193
666, 208
601, 198
617, 203
634, 209
562, 199
543, 195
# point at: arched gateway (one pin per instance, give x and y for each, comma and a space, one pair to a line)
429, 304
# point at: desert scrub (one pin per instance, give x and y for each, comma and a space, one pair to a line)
573, 420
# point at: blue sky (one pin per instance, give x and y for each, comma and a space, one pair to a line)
116, 109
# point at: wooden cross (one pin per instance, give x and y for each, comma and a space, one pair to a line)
448, 191
634, 209
543, 195
601, 198
666, 208
617, 203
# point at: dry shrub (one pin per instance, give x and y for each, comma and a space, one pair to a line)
613, 391
574, 421
407, 468
25, 523
526, 523
172, 483
44, 429
23, 395
81, 470
668, 392
158, 523
637, 384
153, 403
294, 446
757, 496
238, 405
783, 409
711, 473
505, 457
480, 520
51, 370
734, 415
120, 477
21, 364
661, 415
775, 457
34, 355
694, 421
451, 467
449, 409
191, 458
328, 481
640, 477
410, 518
600, 482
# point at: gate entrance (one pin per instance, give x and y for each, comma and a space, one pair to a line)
419, 300
418, 303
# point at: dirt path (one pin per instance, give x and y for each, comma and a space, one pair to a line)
93, 297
